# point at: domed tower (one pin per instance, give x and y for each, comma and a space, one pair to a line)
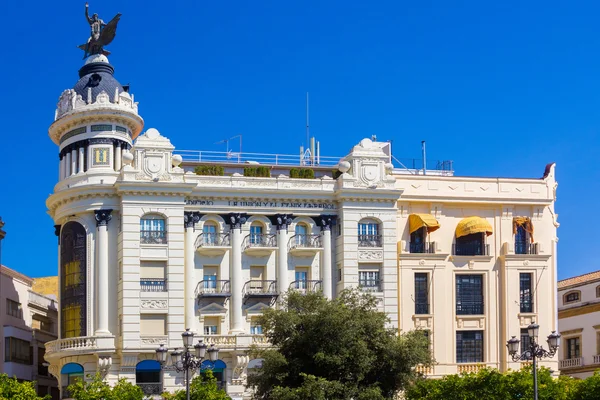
94, 127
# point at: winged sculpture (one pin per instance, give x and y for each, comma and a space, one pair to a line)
101, 33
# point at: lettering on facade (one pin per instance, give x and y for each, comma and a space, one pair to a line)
263, 204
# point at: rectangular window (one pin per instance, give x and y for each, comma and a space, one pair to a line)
525, 340
210, 277
469, 346
255, 327
17, 351
152, 276
41, 324
13, 308
72, 321
368, 235
153, 231
573, 348
421, 293
211, 325
340, 276
525, 294
369, 280
417, 241
257, 278
469, 294
301, 277
153, 324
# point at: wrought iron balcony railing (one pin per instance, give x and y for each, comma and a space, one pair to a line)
302, 241
259, 240
151, 388
370, 285
211, 239
421, 308
153, 237
526, 248
369, 241
306, 286
213, 288
471, 249
260, 289
153, 285
469, 308
423, 247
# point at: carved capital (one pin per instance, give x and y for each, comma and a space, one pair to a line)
104, 364
191, 218
281, 221
325, 221
236, 220
103, 217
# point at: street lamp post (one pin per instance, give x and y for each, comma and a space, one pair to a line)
184, 360
533, 351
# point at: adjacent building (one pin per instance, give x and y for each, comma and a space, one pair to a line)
579, 323
29, 319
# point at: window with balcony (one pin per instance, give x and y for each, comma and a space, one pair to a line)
255, 327
521, 245
153, 230
17, 351
152, 276
525, 340
525, 292
210, 277
421, 293
469, 294
211, 325
523, 231
301, 276
369, 279
418, 240
573, 348
471, 245
148, 377
42, 324
153, 324
572, 297
469, 346
368, 234
256, 233
14, 309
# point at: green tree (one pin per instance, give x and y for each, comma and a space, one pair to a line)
203, 387
587, 389
334, 349
98, 389
12, 389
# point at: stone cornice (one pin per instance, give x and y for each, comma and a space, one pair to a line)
495, 200
78, 193
423, 256
150, 188
579, 310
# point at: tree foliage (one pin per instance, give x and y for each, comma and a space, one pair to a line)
98, 389
202, 387
489, 384
12, 389
334, 349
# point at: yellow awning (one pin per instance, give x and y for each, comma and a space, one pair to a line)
417, 221
472, 225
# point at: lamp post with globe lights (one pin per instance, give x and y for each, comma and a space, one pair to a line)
186, 361
533, 351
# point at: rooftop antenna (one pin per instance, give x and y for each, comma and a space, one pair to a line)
307, 123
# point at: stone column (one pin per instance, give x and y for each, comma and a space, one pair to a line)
118, 158
325, 222
102, 219
67, 164
281, 222
81, 159
235, 222
73, 162
189, 220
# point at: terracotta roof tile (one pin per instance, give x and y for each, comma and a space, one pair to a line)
580, 279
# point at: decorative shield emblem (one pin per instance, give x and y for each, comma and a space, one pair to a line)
153, 164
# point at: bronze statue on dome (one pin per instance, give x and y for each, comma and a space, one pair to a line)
101, 34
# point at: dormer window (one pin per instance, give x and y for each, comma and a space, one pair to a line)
572, 297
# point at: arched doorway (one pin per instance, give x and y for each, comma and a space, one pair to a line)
148, 377
218, 369
70, 374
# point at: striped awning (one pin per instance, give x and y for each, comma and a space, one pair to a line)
417, 221
471, 225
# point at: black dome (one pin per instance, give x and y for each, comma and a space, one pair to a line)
99, 77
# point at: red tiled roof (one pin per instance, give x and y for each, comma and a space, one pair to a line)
580, 279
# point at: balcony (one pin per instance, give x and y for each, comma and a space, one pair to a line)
260, 290
305, 245
212, 244
60, 348
41, 301
304, 286
153, 237
151, 389
153, 285
213, 289
571, 363
259, 244
369, 241
471, 249
370, 285
526, 248
235, 342
423, 247
596, 359
469, 308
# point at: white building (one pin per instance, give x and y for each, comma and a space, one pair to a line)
148, 248
28, 319
579, 323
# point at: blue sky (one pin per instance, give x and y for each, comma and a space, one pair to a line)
501, 88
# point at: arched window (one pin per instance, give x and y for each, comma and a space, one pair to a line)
73, 263
153, 229
302, 236
218, 369
368, 233
598, 291
148, 377
71, 373
572, 297
256, 233
210, 233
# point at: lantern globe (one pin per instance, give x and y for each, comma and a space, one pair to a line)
533, 330
200, 349
176, 357
213, 353
513, 345
161, 354
188, 338
553, 341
